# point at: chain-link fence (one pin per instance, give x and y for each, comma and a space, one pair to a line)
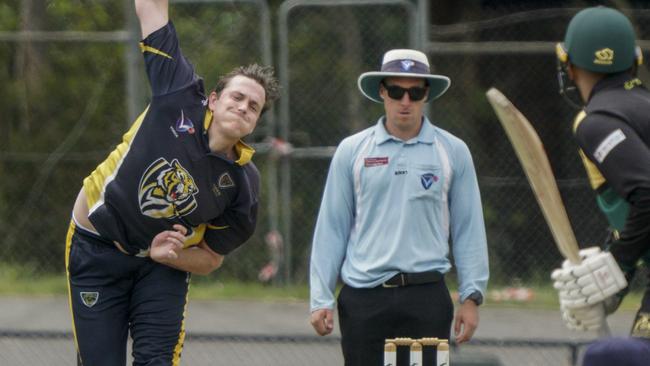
513, 51
73, 80
478, 45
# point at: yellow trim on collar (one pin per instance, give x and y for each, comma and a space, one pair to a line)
245, 153
155, 51
578, 120
207, 120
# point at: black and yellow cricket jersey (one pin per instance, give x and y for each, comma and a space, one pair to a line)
163, 172
615, 132
614, 137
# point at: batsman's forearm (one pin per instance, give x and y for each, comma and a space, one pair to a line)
632, 241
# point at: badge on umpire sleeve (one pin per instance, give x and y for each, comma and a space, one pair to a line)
89, 298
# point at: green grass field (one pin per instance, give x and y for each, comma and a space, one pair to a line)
21, 282
18, 282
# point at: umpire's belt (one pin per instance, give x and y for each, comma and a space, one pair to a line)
407, 279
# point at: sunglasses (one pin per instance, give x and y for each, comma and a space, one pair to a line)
397, 92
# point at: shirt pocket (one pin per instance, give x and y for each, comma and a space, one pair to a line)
426, 182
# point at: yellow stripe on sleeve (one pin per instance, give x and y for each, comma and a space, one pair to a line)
155, 51
596, 179
213, 227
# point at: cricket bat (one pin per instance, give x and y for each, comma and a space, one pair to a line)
532, 156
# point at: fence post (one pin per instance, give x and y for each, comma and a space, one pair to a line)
131, 59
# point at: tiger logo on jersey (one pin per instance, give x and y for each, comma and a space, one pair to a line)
167, 190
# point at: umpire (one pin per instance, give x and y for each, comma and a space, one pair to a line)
397, 194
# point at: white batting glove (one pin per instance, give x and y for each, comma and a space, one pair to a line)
584, 319
590, 282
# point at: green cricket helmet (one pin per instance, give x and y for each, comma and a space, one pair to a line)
601, 40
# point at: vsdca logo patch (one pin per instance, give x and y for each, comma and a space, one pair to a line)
167, 190
407, 65
427, 180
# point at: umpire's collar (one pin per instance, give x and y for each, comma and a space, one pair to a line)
426, 135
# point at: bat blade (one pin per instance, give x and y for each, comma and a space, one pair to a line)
533, 158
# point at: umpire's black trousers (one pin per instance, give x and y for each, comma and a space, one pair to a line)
368, 316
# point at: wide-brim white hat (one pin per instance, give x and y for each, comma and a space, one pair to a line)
403, 63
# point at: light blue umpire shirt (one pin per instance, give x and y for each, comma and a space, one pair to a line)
393, 206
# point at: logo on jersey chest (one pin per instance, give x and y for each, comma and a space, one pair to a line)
184, 124
428, 179
225, 181
167, 190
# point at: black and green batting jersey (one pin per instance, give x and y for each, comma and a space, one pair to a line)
614, 137
163, 172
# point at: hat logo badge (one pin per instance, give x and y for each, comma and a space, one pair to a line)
604, 56
407, 64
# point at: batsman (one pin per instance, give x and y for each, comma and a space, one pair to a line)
598, 62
